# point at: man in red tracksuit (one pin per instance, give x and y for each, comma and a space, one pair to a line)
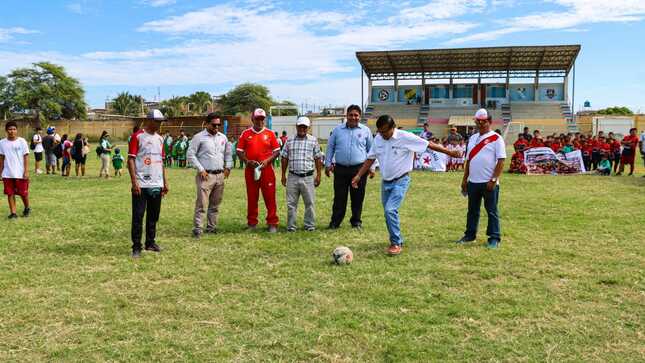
257, 148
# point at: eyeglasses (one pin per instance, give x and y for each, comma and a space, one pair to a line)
216, 125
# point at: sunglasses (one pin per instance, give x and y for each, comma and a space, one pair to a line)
216, 125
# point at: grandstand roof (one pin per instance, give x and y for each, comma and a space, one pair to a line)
465, 63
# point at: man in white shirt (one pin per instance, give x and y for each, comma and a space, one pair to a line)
484, 164
14, 168
148, 178
394, 149
211, 154
37, 140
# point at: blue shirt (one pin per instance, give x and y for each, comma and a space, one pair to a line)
348, 146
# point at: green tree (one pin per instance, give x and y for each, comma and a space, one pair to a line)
46, 91
5, 98
616, 110
126, 104
173, 107
287, 111
245, 98
200, 101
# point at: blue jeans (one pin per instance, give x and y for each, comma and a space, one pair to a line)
392, 195
477, 192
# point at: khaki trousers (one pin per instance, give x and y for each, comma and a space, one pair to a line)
301, 186
209, 194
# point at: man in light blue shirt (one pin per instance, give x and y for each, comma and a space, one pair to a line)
347, 149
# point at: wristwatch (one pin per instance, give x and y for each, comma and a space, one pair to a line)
494, 180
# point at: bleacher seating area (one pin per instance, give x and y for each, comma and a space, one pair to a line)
546, 117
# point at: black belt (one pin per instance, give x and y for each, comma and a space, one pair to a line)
395, 179
302, 175
220, 171
349, 166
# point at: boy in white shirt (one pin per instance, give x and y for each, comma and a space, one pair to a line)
14, 167
394, 149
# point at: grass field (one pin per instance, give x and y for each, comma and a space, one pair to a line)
567, 284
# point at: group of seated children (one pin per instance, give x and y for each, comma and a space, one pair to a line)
599, 152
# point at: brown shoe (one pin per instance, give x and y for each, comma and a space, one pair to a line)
394, 250
153, 248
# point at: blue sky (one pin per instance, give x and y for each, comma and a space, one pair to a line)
305, 50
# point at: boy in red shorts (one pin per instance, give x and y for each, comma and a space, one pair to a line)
630, 142
14, 167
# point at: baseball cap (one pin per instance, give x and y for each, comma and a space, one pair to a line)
259, 113
302, 120
481, 114
156, 115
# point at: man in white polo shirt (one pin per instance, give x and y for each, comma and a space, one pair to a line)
394, 149
484, 164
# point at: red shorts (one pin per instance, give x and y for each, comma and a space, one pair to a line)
14, 186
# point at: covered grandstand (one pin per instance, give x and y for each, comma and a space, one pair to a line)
520, 86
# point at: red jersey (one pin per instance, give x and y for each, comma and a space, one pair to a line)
556, 147
535, 142
521, 142
577, 145
615, 146
258, 145
604, 147
629, 143
67, 146
284, 139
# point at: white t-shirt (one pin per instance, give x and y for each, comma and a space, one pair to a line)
147, 149
483, 164
14, 153
38, 140
643, 141
438, 160
396, 155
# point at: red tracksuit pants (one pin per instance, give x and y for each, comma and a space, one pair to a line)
266, 184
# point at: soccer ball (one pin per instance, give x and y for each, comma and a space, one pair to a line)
342, 255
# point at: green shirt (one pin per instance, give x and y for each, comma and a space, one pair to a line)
117, 161
604, 164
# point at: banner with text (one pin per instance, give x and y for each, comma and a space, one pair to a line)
543, 160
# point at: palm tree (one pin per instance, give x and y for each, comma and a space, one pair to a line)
200, 100
125, 104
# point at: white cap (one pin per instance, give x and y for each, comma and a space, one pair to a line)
156, 115
481, 114
302, 120
259, 113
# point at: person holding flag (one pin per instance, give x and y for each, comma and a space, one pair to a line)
484, 164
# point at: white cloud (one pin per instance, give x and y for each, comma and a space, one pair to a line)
76, 8
7, 34
443, 9
576, 13
159, 3
266, 45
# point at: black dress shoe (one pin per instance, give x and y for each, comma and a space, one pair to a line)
332, 226
465, 239
153, 247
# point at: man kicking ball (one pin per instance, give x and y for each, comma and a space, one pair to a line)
394, 149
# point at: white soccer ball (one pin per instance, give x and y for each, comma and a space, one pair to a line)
342, 255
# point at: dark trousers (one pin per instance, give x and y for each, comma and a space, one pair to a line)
477, 192
148, 203
595, 159
342, 186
